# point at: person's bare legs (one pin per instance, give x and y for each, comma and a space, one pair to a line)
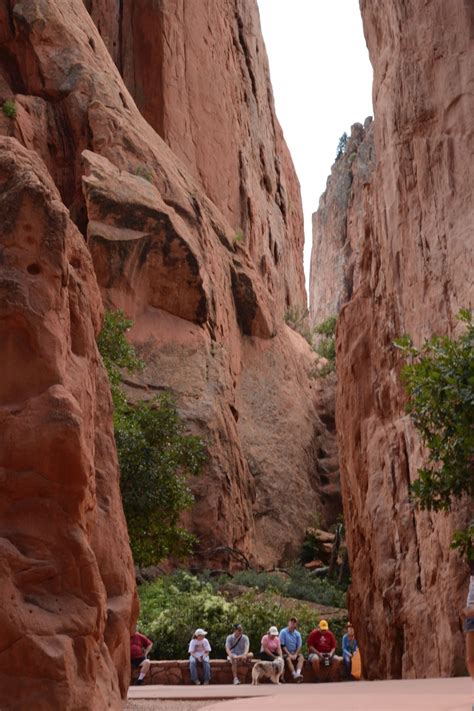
290, 665
144, 668
470, 653
299, 664
233, 662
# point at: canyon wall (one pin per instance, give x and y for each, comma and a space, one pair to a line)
405, 239
198, 238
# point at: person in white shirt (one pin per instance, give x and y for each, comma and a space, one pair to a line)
199, 649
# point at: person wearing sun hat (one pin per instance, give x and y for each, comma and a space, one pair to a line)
321, 642
199, 649
270, 647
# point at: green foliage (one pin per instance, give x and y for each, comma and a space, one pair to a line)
326, 347
327, 328
463, 541
300, 584
239, 236
297, 318
342, 145
173, 606
142, 172
439, 379
155, 456
117, 354
9, 108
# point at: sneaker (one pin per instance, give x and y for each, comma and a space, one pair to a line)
299, 678
236, 681
205, 683
139, 682
197, 682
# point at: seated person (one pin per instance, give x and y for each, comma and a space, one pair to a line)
349, 646
322, 647
140, 647
237, 647
199, 649
270, 647
291, 643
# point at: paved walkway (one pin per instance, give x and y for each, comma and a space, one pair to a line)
406, 695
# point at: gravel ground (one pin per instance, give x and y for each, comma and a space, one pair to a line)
166, 705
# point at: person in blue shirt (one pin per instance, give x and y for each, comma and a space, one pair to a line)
291, 643
349, 646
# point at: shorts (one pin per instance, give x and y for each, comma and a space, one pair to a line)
136, 662
312, 656
469, 624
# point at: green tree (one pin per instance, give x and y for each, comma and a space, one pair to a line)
326, 347
155, 454
439, 380
342, 145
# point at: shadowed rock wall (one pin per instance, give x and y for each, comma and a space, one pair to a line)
412, 252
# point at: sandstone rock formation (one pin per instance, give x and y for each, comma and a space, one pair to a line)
207, 301
199, 74
410, 236
331, 281
66, 575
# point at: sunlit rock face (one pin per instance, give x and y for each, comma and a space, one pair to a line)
66, 575
411, 250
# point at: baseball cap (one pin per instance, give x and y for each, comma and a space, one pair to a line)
200, 631
323, 625
273, 630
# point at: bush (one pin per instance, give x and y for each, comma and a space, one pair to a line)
142, 172
326, 347
173, 606
300, 584
439, 379
342, 145
297, 319
155, 456
9, 108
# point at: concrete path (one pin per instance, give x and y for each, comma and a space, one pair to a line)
407, 695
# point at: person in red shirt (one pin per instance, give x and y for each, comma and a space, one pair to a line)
140, 647
321, 643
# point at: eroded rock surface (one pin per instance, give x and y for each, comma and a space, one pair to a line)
207, 300
412, 252
66, 575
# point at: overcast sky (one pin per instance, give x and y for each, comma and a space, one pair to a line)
322, 84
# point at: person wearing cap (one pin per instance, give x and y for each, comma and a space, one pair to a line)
199, 649
291, 643
237, 647
321, 642
270, 647
349, 647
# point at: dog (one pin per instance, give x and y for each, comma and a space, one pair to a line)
269, 670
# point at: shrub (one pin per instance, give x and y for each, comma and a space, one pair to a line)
155, 456
342, 145
297, 319
326, 347
439, 380
9, 108
300, 584
173, 606
142, 172
239, 236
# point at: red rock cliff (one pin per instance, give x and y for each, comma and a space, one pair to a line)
410, 232
207, 306
66, 575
